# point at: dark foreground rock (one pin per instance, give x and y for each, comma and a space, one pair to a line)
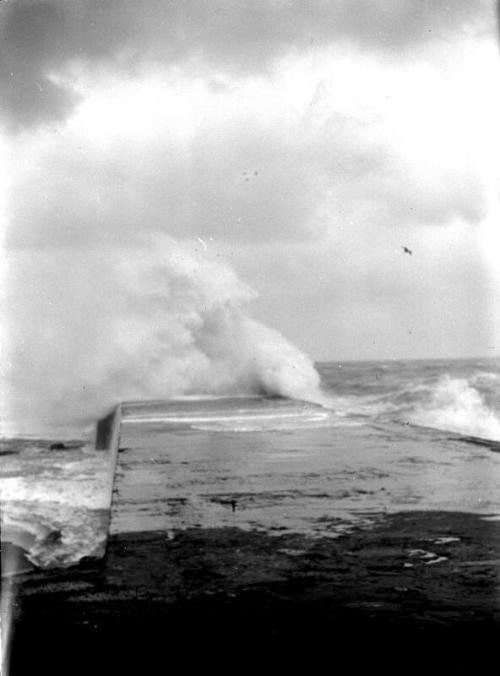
415, 582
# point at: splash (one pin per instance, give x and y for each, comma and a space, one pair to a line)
456, 406
88, 329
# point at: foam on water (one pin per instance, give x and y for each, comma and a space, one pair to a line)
55, 534
232, 414
453, 404
235, 422
460, 397
277, 422
55, 506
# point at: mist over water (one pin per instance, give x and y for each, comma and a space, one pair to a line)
90, 328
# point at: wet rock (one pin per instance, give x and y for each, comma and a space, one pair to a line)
57, 446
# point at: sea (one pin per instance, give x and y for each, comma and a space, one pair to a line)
388, 436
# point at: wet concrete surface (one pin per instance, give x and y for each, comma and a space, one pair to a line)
419, 579
227, 548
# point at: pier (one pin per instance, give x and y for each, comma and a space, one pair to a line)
228, 533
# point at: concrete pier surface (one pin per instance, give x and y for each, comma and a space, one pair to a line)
246, 528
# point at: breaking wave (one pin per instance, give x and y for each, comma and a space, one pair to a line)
88, 329
457, 406
464, 401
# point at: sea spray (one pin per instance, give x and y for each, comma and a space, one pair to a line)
89, 328
453, 404
456, 395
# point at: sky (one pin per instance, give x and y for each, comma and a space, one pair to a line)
301, 143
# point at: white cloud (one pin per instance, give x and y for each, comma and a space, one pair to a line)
308, 174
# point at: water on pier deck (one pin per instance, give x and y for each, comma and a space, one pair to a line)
286, 466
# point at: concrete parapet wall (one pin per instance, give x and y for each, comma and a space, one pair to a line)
108, 440
107, 429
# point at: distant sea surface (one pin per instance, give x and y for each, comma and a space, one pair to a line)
457, 395
377, 447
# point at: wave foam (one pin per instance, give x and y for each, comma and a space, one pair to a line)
156, 321
456, 406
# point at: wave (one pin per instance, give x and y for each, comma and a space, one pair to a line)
55, 507
457, 406
456, 403
157, 321
55, 535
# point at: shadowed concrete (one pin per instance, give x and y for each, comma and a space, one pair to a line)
234, 534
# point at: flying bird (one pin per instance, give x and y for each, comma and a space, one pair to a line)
406, 250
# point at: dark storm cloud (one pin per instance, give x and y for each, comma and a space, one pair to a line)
27, 55
42, 37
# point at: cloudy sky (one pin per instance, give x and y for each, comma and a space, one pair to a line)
303, 142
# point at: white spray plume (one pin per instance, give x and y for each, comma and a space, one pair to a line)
88, 329
456, 406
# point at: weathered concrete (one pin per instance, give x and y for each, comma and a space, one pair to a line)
205, 562
222, 595
107, 429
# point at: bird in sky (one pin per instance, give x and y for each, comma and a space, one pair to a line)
406, 250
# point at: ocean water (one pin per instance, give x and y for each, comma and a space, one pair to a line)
456, 395
389, 436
